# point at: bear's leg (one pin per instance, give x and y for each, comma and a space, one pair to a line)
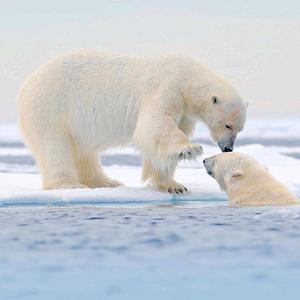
162, 144
91, 173
159, 138
55, 158
162, 178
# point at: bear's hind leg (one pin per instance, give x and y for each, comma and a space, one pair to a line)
91, 173
162, 178
55, 158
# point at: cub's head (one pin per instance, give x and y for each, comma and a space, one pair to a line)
222, 110
229, 168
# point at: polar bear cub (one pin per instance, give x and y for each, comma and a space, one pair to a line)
246, 182
77, 106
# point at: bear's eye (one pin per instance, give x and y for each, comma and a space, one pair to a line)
215, 99
228, 127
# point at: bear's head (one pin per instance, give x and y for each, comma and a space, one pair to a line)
229, 168
221, 109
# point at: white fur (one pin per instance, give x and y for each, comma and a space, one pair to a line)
246, 182
79, 105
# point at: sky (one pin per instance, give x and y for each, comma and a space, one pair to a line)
255, 44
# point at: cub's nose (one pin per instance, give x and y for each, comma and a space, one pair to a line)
227, 149
204, 160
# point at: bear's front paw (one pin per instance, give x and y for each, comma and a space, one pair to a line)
190, 152
173, 187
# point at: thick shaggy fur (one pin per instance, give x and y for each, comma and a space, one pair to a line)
80, 105
247, 182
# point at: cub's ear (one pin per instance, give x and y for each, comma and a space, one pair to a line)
237, 173
215, 99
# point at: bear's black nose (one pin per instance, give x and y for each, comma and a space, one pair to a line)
227, 149
204, 160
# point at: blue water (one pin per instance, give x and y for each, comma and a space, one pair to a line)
194, 251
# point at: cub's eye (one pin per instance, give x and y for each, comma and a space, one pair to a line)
228, 127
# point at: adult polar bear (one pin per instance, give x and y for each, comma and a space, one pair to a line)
79, 105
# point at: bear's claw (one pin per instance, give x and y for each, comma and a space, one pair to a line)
173, 187
177, 190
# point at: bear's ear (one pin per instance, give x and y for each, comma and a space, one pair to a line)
215, 99
237, 173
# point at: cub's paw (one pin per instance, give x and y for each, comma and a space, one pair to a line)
173, 187
189, 152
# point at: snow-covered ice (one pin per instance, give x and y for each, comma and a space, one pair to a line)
25, 189
136, 243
